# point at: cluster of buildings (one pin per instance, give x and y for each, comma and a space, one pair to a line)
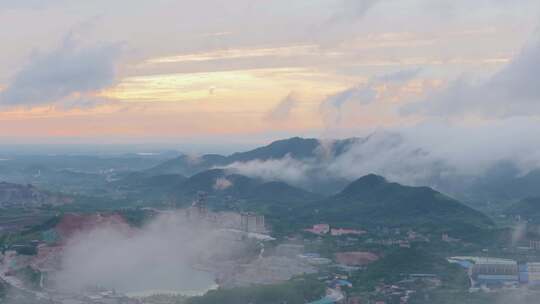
535, 245
244, 221
324, 229
485, 272
399, 239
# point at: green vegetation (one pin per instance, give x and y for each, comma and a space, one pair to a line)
528, 209
294, 147
373, 202
397, 265
441, 296
297, 291
94, 204
48, 224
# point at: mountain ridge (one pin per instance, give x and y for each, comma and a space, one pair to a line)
373, 201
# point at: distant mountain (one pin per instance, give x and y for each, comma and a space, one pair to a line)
220, 183
501, 183
188, 165
75, 174
514, 186
28, 196
142, 187
221, 187
528, 209
296, 147
142, 180
373, 201
283, 192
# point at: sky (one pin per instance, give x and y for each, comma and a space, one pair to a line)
249, 71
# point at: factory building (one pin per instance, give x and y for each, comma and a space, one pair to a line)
198, 209
523, 273
530, 273
251, 222
247, 222
495, 272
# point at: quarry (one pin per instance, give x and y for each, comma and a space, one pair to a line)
228, 251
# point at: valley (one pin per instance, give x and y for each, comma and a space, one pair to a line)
222, 233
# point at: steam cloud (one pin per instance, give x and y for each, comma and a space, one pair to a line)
222, 183
157, 257
66, 75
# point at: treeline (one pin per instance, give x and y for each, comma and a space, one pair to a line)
298, 291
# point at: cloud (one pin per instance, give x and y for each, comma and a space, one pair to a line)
283, 169
282, 110
68, 73
415, 155
29, 4
363, 94
512, 91
158, 256
400, 76
352, 10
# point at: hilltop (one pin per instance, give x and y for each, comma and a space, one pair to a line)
372, 201
295, 147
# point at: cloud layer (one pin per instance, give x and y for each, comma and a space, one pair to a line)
283, 109
513, 91
415, 155
334, 106
67, 73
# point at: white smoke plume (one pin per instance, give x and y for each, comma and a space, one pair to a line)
222, 184
158, 256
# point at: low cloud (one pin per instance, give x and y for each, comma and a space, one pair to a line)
70, 74
284, 169
333, 107
414, 155
511, 92
282, 111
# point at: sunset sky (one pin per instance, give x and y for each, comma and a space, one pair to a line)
134, 71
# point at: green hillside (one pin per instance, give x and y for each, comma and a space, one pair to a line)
295, 147
371, 201
528, 209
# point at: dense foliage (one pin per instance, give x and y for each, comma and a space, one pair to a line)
292, 292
